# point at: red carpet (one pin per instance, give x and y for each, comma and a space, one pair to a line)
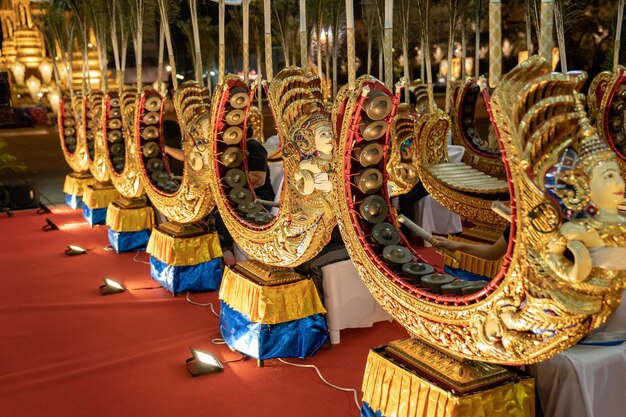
67, 351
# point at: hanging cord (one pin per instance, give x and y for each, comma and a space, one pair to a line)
356, 400
210, 305
138, 261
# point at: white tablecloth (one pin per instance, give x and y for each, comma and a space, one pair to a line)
348, 302
432, 216
586, 381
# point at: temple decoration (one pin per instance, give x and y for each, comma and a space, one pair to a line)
538, 304
403, 157
305, 218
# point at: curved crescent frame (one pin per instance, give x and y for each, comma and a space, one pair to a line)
192, 200
524, 314
92, 124
303, 225
127, 181
602, 93
78, 159
465, 95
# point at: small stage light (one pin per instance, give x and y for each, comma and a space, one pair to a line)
203, 363
111, 287
49, 226
43, 209
73, 250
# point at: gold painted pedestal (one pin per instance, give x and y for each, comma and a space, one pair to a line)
74, 186
410, 379
99, 195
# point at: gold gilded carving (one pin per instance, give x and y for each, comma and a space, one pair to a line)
401, 165
128, 182
94, 131
530, 311
71, 134
306, 216
193, 200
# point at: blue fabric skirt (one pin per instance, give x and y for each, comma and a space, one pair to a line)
206, 276
292, 339
366, 411
73, 201
129, 241
95, 216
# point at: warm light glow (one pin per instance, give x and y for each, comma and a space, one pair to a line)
33, 84
55, 99
180, 76
45, 68
19, 70
206, 358
76, 248
168, 68
556, 57
90, 45
522, 56
212, 73
114, 284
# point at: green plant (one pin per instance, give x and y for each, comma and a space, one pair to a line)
8, 161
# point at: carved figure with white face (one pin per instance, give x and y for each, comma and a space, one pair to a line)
316, 142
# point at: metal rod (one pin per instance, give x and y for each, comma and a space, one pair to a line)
222, 47
546, 43
388, 46
246, 40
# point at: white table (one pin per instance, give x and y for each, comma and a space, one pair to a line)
586, 381
432, 216
347, 300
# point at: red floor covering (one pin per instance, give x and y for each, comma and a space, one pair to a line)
67, 351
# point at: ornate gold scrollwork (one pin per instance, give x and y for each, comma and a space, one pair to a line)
536, 307
401, 166
127, 179
92, 125
306, 216
190, 200
71, 135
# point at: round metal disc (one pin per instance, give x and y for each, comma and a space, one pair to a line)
385, 234
396, 255
434, 282
240, 196
235, 178
374, 209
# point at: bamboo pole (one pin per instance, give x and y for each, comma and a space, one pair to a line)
222, 47
452, 15
304, 53
463, 47
388, 46
560, 34
246, 40
495, 42
546, 42
618, 34
138, 43
160, 63
267, 23
422, 62
424, 11
196, 40
529, 28
168, 42
351, 46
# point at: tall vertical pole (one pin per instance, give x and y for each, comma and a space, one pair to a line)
222, 47
351, 46
160, 62
246, 39
495, 42
477, 42
546, 42
267, 14
618, 34
388, 43
196, 40
304, 52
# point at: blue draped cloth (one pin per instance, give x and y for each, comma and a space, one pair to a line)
94, 216
73, 201
292, 339
464, 275
366, 411
128, 241
206, 276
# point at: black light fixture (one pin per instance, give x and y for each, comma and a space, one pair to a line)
203, 363
111, 287
49, 226
43, 209
73, 250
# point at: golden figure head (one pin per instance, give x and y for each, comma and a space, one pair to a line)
314, 136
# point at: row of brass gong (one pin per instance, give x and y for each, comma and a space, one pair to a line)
69, 126
374, 210
92, 122
617, 121
231, 156
117, 151
152, 154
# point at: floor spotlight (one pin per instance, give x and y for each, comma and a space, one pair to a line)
73, 250
49, 226
111, 287
43, 209
203, 363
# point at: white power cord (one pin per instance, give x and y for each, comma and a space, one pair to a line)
210, 305
356, 400
137, 260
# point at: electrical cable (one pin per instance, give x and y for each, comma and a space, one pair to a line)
210, 305
243, 358
218, 341
356, 400
144, 288
138, 261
